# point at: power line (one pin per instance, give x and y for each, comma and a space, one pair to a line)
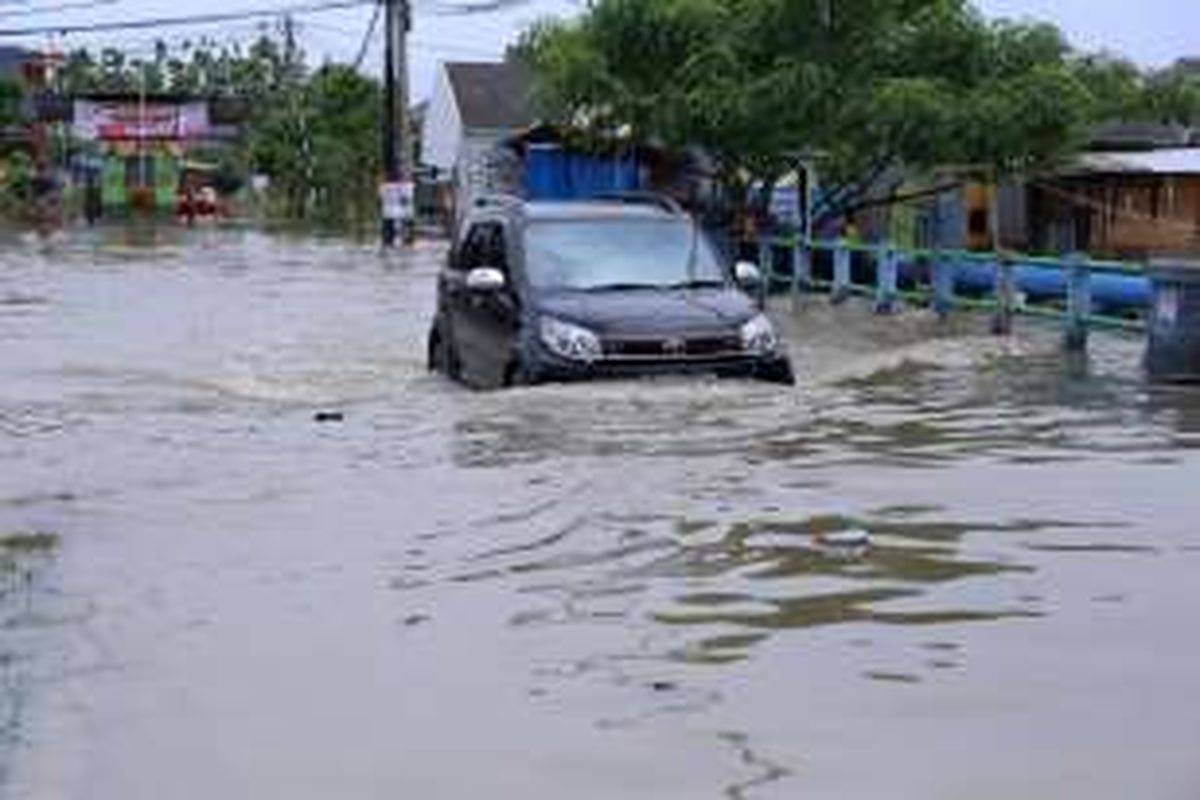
426, 42
447, 9
29, 12
196, 19
366, 42
449, 47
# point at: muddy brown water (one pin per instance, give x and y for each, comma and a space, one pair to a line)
589, 591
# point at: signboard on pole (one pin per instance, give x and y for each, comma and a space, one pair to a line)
396, 200
130, 120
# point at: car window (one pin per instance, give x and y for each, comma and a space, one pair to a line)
470, 251
594, 254
484, 246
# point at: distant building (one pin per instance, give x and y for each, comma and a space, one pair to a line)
13, 60
138, 149
1134, 193
1120, 203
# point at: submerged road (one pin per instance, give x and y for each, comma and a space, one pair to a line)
590, 591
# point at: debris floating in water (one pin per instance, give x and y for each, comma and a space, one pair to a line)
329, 416
851, 538
846, 544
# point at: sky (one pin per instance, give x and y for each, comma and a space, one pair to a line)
1151, 32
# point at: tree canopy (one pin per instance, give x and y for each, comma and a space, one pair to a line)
861, 87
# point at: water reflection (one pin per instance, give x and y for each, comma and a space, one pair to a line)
765, 771
24, 557
1178, 408
747, 580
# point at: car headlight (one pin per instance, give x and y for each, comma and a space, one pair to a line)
569, 341
758, 336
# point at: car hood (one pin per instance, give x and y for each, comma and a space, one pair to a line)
651, 312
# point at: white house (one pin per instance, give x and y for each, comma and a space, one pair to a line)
474, 107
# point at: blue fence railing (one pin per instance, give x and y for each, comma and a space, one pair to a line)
1081, 291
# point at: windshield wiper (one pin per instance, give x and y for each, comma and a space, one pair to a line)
621, 287
690, 265
699, 283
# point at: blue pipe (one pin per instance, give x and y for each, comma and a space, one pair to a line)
1040, 282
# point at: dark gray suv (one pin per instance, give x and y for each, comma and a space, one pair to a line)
618, 287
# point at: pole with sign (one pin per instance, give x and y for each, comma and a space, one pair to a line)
396, 194
396, 203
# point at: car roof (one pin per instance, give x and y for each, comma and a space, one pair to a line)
595, 209
560, 210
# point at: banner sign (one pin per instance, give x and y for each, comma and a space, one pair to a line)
125, 120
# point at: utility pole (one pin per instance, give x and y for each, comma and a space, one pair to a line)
396, 193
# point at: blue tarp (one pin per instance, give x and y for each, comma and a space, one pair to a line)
554, 174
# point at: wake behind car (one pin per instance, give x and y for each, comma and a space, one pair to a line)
619, 287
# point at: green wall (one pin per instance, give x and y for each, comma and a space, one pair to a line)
116, 194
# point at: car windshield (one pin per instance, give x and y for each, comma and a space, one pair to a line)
601, 254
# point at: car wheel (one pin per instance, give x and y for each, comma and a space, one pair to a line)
778, 372
441, 357
517, 375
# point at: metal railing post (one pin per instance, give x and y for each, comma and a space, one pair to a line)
1079, 302
766, 259
943, 284
801, 269
1005, 289
841, 272
886, 279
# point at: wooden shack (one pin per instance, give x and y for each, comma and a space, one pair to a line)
1120, 204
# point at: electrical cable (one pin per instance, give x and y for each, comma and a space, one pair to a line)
196, 19
367, 37
29, 12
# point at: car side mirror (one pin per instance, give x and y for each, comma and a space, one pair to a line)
747, 275
486, 280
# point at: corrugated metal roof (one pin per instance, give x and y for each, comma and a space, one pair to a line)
1138, 136
1170, 161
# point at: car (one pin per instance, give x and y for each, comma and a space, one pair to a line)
613, 287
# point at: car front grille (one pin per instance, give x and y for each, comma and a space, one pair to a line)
673, 348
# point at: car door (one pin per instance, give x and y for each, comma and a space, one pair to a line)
452, 296
485, 322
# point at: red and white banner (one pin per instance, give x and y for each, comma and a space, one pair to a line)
117, 121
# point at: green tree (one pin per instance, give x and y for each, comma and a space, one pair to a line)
864, 87
319, 144
1173, 96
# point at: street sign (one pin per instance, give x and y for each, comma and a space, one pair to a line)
396, 200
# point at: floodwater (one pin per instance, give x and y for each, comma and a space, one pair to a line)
592, 591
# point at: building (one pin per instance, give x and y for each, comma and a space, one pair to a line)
1133, 194
1121, 204
473, 109
139, 150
